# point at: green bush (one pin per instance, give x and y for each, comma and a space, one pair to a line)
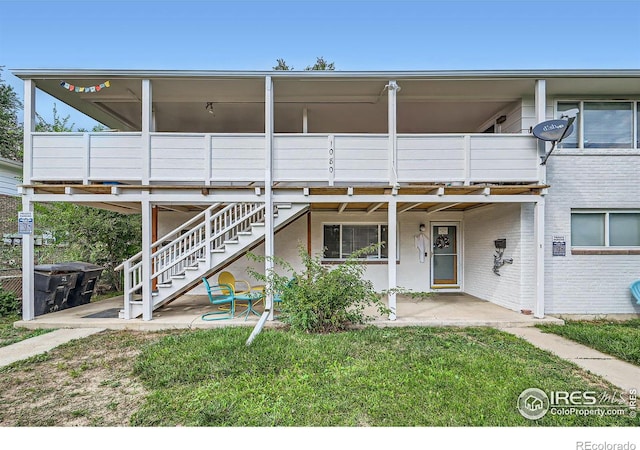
320, 299
9, 304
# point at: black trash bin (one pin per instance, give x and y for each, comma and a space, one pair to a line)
88, 275
52, 285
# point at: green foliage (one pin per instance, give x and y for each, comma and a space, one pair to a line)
619, 339
320, 299
402, 377
10, 129
92, 235
9, 304
320, 64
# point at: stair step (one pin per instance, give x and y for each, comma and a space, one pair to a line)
178, 276
283, 205
202, 259
258, 224
164, 285
218, 250
191, 268
235, 241
244, 233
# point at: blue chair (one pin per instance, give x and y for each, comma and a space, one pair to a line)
635, 290
220, 295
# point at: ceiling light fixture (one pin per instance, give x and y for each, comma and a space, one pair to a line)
209, 107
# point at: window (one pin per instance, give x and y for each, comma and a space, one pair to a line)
605, 228
602, 124
341, 240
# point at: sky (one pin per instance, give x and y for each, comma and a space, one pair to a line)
355, 35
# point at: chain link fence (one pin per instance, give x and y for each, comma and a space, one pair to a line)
11, 281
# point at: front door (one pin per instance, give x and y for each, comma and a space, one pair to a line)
444, 265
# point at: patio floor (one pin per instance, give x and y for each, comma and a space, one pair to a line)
459, 310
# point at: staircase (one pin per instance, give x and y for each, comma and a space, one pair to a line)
199, 248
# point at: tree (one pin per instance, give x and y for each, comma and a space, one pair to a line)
321, 64
10, 129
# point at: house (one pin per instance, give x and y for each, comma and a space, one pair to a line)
440, 166
10, 178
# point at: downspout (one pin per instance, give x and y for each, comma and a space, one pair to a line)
268, 216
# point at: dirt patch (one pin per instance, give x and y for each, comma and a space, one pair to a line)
87, 382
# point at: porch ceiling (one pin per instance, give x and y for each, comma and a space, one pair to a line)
336, 105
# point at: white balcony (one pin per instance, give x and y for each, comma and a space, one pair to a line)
319, 159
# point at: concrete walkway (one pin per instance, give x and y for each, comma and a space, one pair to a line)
619, 373
41, 344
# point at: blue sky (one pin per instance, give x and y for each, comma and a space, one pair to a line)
356, 35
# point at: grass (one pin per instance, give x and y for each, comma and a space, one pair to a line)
371, 377
619, 339
10, 335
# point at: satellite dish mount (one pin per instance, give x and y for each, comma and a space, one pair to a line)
555, 130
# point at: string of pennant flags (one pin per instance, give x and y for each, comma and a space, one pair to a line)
95, 88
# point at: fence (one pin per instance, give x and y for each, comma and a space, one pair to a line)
11, 280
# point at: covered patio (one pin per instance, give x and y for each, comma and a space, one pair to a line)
443, 309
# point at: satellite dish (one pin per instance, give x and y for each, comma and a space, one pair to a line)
553, 130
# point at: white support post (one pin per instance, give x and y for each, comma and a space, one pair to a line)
28, 294
392, 245
28, 299
128, 294
207, 159
87, 158
147, 297
541, 114
538, 217
393, 88
467, 159
268, 194
147, 127
305, 120
29, 127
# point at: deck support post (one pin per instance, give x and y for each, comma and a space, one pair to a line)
393, 88
28, 254
538, 217
268, 192
147, 296
392, 245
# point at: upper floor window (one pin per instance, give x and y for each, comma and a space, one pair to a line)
603, 124
615, 228
341, 240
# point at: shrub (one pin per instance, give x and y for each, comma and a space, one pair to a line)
320, 299
9, 304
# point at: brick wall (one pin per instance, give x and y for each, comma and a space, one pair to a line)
514, 222
589, 284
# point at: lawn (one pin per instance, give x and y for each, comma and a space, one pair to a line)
10, 335
619, 339
371, 377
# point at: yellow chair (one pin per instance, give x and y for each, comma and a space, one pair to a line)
240, 287
250, 295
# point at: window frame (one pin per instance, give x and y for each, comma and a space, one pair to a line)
635, 122
607, 238
369, 258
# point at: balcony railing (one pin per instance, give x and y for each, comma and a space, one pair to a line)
312, 158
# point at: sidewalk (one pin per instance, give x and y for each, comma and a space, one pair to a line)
619, 373
41, 344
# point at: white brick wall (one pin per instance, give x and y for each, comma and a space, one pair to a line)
589, 284
513, 288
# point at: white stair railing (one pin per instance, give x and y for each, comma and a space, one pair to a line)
189, 245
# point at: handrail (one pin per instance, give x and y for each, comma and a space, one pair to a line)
173, 258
